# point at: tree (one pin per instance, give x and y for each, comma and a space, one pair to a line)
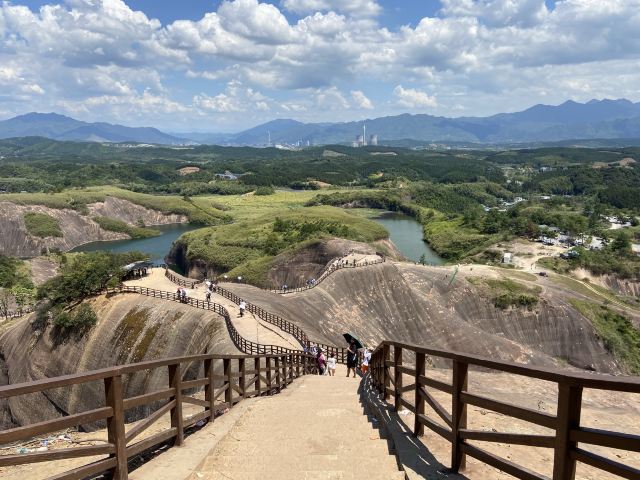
23, 296
621, 242
5, 301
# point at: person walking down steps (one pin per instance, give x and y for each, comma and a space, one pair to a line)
243, 306
322, 362
352, 358
331, 364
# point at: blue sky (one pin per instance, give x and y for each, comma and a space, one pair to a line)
227, 65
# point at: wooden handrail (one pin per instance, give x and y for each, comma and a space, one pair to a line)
384, 372
120, 448
286, 326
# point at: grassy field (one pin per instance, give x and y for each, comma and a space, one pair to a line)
262, 230
42, 225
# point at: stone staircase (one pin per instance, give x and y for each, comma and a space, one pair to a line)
314, 430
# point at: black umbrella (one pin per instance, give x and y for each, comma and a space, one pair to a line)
348, 337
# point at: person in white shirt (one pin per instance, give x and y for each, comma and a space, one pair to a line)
366, 356
331, 364
243, 306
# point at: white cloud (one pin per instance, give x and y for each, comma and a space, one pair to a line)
412, 98
330, 99
363, 8
236, 98
483, 55
361, 100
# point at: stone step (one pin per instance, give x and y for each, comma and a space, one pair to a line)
365, 461
317, 446
298, 475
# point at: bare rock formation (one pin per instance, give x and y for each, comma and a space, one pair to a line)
77, 228
131, 328
132, 213
416, 304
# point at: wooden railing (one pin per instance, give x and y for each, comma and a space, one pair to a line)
179, 280
276, 320
244, 345
386, 374
243, 376
294, 330
328, 271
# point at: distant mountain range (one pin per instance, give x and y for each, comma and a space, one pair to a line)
602, 119
596, 119
60, 127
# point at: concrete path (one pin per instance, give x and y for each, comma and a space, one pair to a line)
314, 430
249, 326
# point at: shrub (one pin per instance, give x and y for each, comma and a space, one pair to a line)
42, 225
115, 225
265, 191
81, 320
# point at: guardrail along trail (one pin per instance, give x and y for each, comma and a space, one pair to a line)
318, 430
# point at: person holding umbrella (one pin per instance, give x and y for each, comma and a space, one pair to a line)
352, 353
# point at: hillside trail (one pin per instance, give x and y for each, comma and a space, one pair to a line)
249, 326
316, 429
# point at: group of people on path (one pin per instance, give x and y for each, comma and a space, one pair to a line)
327, 364
182, 294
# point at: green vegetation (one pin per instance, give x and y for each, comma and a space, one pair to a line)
509, 293
617, 332
81, 275
248, 247
80, 319
14, 272
42, 225
197, 212
466, 200
265, 190
615, 259
115, 225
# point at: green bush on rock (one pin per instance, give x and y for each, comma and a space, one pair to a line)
42, 225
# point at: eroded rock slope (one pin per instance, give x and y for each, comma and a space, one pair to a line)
77, 228
131, 328
417, 304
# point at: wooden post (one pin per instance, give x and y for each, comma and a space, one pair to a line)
569, 407
269, 376
209, 390
228, 394
418, 428
175, 382
386, 355
458, 414
242, 367
397, 376
278, 386
297, 365
256, 366
115, 426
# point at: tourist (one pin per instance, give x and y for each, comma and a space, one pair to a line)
366, 357
331, 364
243, 306
207, 282
352, 358
322, 362
208, 296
